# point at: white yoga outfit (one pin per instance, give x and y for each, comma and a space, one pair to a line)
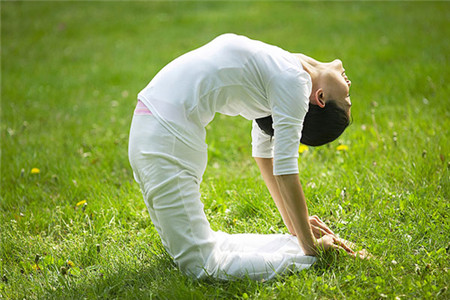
232, 75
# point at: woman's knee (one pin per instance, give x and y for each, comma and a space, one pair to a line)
196, 269
198, 263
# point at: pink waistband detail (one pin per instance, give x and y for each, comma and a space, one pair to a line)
141, 109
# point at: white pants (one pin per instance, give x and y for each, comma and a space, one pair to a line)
169, 173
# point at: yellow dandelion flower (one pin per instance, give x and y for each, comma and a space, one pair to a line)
82, 202
70, 263
36, 267
342, 148
302, 148
35, 171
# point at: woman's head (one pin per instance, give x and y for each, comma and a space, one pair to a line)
329, 108
330, 83
322, 125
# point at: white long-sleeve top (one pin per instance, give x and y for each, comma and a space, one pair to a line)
234, 75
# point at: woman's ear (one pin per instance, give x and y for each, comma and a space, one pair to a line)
318, 98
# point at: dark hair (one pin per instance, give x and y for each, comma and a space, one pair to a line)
321, 125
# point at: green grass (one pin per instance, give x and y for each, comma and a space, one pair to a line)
70, 75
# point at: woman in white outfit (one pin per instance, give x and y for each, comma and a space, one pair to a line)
292, 97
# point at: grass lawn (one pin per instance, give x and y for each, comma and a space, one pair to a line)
73, 222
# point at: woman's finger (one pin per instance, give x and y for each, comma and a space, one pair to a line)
348, 243
338, 247
343, 245
364, 254
315, 220
325, 227
318, 232
314, 230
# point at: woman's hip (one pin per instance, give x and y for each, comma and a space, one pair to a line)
151, 145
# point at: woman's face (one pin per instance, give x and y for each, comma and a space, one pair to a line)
335, 83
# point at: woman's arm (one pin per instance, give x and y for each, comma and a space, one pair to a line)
314, 233
295, 203
266, 167
294, 210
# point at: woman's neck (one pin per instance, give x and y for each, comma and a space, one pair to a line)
310, 65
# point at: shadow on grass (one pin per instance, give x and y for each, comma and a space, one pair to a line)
158, 277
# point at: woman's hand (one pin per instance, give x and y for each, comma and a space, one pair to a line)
325, 243
330, 241
319, 228
327, 239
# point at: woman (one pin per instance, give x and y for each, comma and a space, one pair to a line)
235, 75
